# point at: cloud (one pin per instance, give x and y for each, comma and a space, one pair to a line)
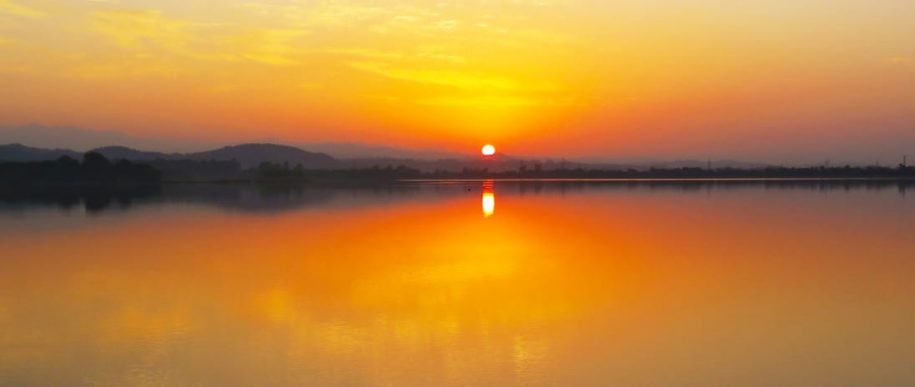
135, 28
464, 80
428, 53
346, 15
8, 7
368, 53
440, 55
147, 43
271, 46
148, 33
120, 69
902, 60
500, 101
448, 25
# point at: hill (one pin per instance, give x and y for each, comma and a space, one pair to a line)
250, 155
22, 153
247, 155
123, 152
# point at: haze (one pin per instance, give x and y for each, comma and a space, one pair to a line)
774, 81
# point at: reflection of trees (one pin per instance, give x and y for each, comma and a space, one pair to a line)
94, 198
276, 198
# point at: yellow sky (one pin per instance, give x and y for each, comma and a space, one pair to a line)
585, 77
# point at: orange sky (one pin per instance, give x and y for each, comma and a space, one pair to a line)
763, 80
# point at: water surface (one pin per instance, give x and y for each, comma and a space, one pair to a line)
462, 283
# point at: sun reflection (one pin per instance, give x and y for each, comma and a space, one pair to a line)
489, 198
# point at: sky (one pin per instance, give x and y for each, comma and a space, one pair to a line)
776, 81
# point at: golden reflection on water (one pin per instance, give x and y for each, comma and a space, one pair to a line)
489, 199
589, 288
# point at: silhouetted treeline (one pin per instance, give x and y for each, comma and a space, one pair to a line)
273, 172
198, 170
279, 172
269, 172
94, 168
847, 172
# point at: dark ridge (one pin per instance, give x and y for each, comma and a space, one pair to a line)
19, 152
125, 153
247, 155
252, 155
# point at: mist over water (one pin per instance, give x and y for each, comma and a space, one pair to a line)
461, 283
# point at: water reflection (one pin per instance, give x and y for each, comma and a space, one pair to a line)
94, 199
570, 284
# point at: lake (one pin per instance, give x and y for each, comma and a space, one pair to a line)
462, 283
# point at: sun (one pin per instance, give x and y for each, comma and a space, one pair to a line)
488, 150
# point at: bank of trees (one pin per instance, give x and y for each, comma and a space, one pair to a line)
93, 168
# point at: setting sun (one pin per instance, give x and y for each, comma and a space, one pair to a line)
489, 150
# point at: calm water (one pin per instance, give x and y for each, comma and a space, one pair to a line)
565, 284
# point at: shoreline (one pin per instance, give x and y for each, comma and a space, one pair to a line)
356, 183
395, 181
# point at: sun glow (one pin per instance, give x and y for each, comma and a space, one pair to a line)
489, 150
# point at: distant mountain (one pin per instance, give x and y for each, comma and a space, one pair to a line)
82, 139
250, 155
499, 163
123, 152
19, 152
349, 150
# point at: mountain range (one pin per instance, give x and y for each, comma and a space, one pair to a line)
82, 139
252, 155
248, 155
22, 153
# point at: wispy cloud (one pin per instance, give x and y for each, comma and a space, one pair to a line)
448, 25
8, 7
466, 80
423, 53
148, 44
497, 101
441, 55
902, 60
272, 46
136, 28
368, 53
150, 33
